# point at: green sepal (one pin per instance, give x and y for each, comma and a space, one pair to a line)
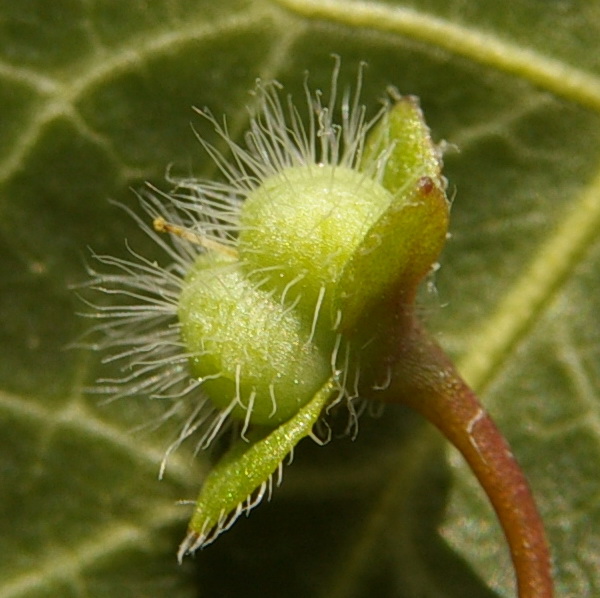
403, 140
401, 247
396, 253
231, 485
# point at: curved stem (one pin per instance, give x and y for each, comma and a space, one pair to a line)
425, 379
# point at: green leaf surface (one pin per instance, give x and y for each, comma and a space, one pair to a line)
97, 97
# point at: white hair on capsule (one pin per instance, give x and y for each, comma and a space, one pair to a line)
138, 331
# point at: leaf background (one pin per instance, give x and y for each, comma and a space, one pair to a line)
96, 98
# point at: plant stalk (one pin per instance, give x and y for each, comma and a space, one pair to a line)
424, 378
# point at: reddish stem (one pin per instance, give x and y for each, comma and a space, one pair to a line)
426, 380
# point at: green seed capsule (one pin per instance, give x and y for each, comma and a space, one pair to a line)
283, 283
255, 356
302, 226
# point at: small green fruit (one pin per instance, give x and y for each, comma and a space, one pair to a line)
285, 279
302, 226
255, 356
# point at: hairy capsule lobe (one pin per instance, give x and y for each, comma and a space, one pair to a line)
255, 356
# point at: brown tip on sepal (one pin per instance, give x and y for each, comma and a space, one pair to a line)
426, 185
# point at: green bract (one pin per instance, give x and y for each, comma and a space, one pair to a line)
244, 474
403, 141
395, 254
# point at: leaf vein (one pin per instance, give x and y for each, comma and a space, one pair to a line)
62, 99
485, 48
75, 416
66, 565
533, 289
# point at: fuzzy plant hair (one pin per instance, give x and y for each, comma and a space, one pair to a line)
140, 330
288, 287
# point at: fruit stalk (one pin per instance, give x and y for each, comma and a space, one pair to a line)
425, 379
